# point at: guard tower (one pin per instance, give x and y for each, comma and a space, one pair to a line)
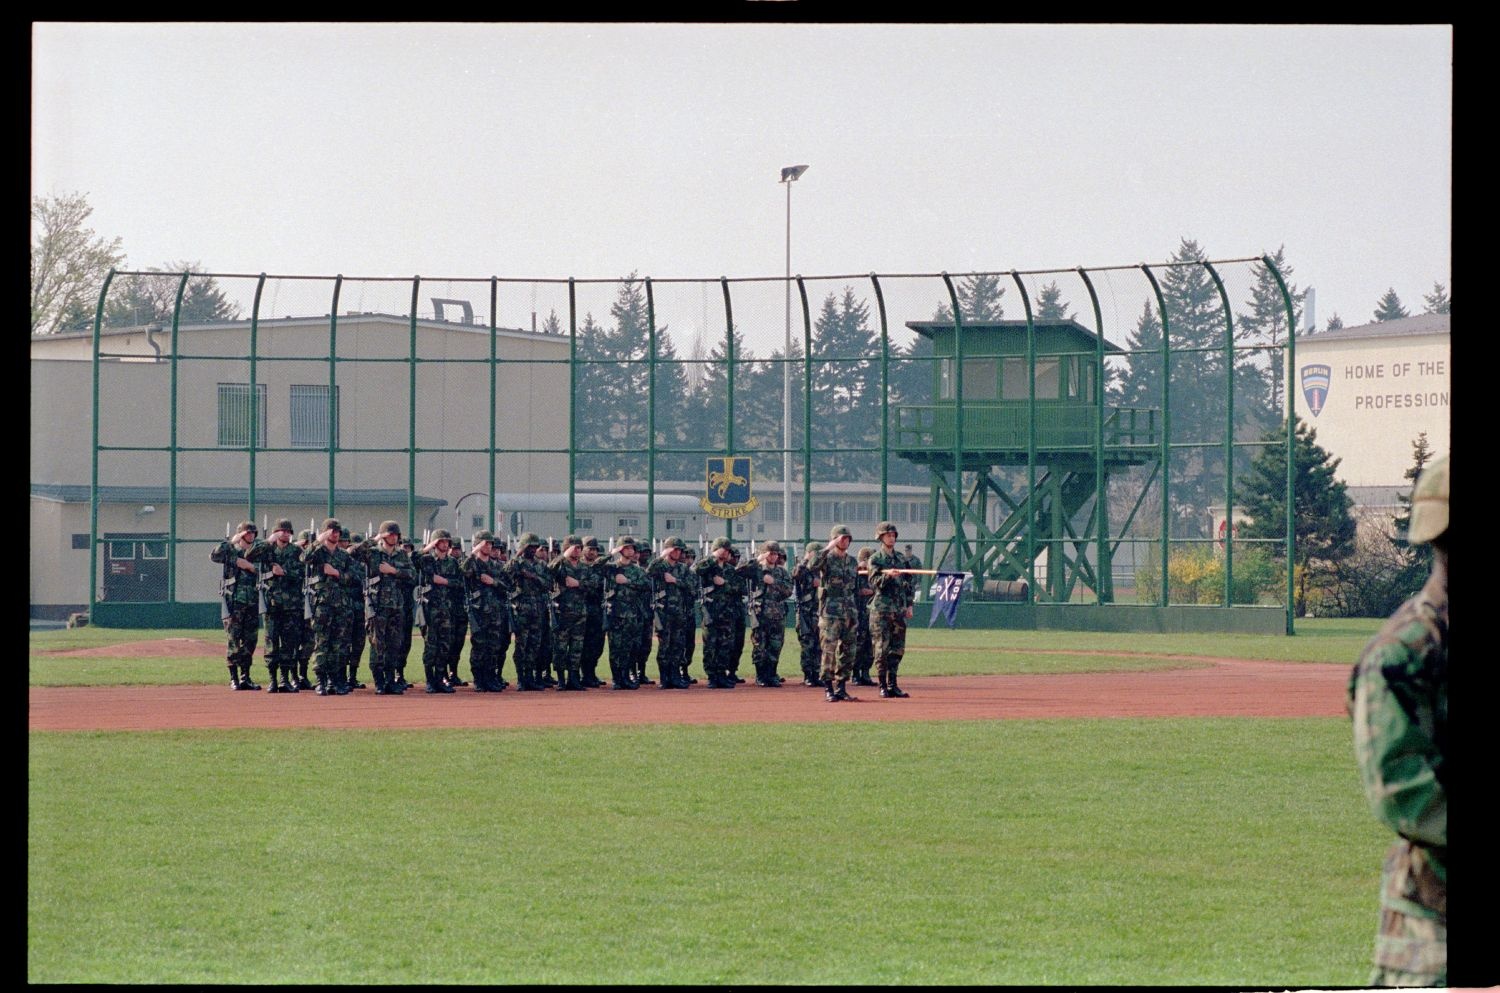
1074, 439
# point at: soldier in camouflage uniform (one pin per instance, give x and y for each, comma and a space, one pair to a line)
769, 586
837, 624
485, 582
389, 569
891, 606
864, 651
1398, 698
436, 572
739, 591
805, 584
695, 614
672, 599
627, 604
332, 606
281, 576
458, 606
593, 629
359, 622
408, 615
719, 605
570, 597
239, 602
530, 594
305, 646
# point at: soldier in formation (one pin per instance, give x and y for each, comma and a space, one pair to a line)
569, 598
627, 604
838, 579
769, 585
739, 592
593, 627
864, 655
530, 595
1398, 699
805, 586
891, 606
328, 568
672, 599
239, 599
486, 586
719, 605
305, 646
437, 571
458, 601
353, 543
408, 585
389, 569
281, 576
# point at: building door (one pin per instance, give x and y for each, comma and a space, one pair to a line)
135, 568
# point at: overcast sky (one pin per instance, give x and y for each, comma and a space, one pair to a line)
541, 150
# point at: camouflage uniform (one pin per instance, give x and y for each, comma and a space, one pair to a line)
239, 607
739, 589
673, 604
719, 607
332, 611
627, 604
894, 596
359, 622
1398, 698
458, 607
837, 620
408, 587
767, 614
593, 629
571, 602
385, 594
530, 591
487, 621
864, 650
805, 587
437, 610
305, 646
283, 614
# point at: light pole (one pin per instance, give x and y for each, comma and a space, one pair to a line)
789, 175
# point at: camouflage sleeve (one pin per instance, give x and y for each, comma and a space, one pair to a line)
1393, 701
223, 553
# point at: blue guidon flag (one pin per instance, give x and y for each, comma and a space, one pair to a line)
727, 487
1315, 380
950, 588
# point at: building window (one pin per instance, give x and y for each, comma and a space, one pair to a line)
1048, 379
676, 524
981, 379
80, 541
860, 511
476, 521
121, 549
583, 524
771, 510
310, 418
235, 413
153, 549
919, 513
945, 379
822, 510
629, 523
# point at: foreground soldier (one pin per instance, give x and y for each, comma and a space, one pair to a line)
627, 604
805, 586
305, 646
1398, 698
864, 650
408, 614
739, 589
570, 600
770, 585
437, 571
593, 628
327, 565
390, 568
890, 607
281, 577
239, 602
837, 624
485, 582
354, 544
672, 597
530, 590
719, 604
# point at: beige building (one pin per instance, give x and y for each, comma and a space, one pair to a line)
350, 434
1370, 390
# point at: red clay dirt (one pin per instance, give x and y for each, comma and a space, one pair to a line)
1221, 688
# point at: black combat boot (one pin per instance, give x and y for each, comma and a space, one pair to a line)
353, 680
382, 682
245, 683
302, 683
288, 682
723, 680
234, 678
453, 679
885, 685
809, 679
894, 689
337, 683
828, 691
862, 678
271, 684
323, 688
760, 676
844, 693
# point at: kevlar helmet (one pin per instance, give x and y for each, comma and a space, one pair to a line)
330, 524
388, 527
528, 540
812, 548
1429, 504
591, 542
439, 535
572, 540
246, 526
839, 531
674, 542
304, 535
482, 536
722, 542
623, 542
771, 546
284, 525
886, 526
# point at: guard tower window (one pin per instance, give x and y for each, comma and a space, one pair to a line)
1048, 379
981, 379
1014, 386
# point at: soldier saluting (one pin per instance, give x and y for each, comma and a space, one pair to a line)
438, 571
769, 587
332, 606
838, 626
240, 606
891, 606
281, 575
389, 568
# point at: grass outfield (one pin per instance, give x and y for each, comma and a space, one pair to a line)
1221, 852
929, 652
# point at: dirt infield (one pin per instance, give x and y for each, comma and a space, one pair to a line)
1223, 688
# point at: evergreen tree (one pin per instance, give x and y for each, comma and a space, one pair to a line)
1389, 307
1335, 323
150, 298
1050, 305
552, 324
846, 401
1437, 302
978, 299
1140, 385
1323, 526
1419, 556
1265, 322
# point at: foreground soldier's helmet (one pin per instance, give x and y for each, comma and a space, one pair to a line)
528, 540
885, 526
304, 535
356, 538
591, 542
439, 535
771, 546
674, 542
247, 526
812, 547
284, 525
1429, 504
389, 527
330, 524
572, 540
839, 531
722, 542
626, 540
482, 536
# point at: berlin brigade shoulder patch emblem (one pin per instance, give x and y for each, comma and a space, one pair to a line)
727, 487
1315, 380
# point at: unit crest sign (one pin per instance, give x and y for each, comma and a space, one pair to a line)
727, 487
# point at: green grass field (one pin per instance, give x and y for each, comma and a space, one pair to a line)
1169, 851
